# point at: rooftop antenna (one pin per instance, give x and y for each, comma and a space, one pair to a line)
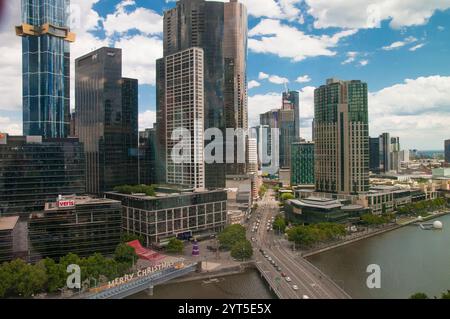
286, 87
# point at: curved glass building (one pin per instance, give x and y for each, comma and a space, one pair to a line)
46, 67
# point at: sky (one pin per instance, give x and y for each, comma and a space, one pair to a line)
400, 48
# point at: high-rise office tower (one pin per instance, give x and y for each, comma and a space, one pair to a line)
252, 155
385, 152
185, 118
291, 101
220, 29
283, 120
147, 157
46, 67
341, 137
395, 154
106, 106
447, 151
302, 164
374, 155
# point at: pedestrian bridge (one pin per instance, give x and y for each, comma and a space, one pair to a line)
141, 284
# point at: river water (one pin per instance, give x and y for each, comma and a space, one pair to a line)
248, 285
411, 260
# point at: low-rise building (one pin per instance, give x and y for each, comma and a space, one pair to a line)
315, 210
166, 215
7, 229
75, 224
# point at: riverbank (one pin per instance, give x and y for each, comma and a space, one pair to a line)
373, 233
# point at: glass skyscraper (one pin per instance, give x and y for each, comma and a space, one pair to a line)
302, 164
107, 120
46, 67
220, 29
341, 137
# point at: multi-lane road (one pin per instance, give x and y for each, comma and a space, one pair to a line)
295, 277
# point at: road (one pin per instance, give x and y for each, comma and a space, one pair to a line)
310, 281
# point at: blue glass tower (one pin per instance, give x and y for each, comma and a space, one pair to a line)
46, 67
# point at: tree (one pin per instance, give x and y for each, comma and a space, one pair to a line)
175, 246
419, 295
126, 238
279, 224
446, 295
231, 235
125, 254
242, 250
287, 196
136, 189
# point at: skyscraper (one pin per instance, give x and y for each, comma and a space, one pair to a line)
385, 152
374, 155
447, 151
106, 106
291, 101
220, 29
46, 67
284, 120
341, 137
185, 118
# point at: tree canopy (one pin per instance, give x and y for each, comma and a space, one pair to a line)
175, 246
231, 235
242, 250
136, 189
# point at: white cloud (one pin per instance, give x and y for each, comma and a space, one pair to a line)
275, 79
303, 79
417, 47
9, 126
351, 57
139, 54
417, 110
263, 76
145, 20
272, 37
370, 13
399, 44
146, 120
253, 84
363, 62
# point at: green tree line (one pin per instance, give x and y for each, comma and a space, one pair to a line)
306, 236
20, 279
423, 207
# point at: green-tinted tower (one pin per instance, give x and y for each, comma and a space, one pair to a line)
302, 164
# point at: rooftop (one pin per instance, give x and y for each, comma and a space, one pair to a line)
8, 223
316, 202
71, 201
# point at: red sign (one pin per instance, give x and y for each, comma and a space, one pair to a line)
66, 203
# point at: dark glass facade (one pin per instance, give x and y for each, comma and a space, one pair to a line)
302, 164
35, 172
91, 226
374, 150
147, 157
46, 67
291, 100
447, 151
341, 136
107, 108
220, 29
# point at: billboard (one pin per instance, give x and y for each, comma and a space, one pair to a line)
3, 138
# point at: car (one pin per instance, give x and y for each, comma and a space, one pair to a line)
288, 279
253, 239
267, 256
305, 297
283, 274
270, 259
279, 269
295, 287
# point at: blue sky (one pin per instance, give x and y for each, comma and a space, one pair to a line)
401, 50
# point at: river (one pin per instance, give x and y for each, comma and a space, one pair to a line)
248, 285
411, 260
